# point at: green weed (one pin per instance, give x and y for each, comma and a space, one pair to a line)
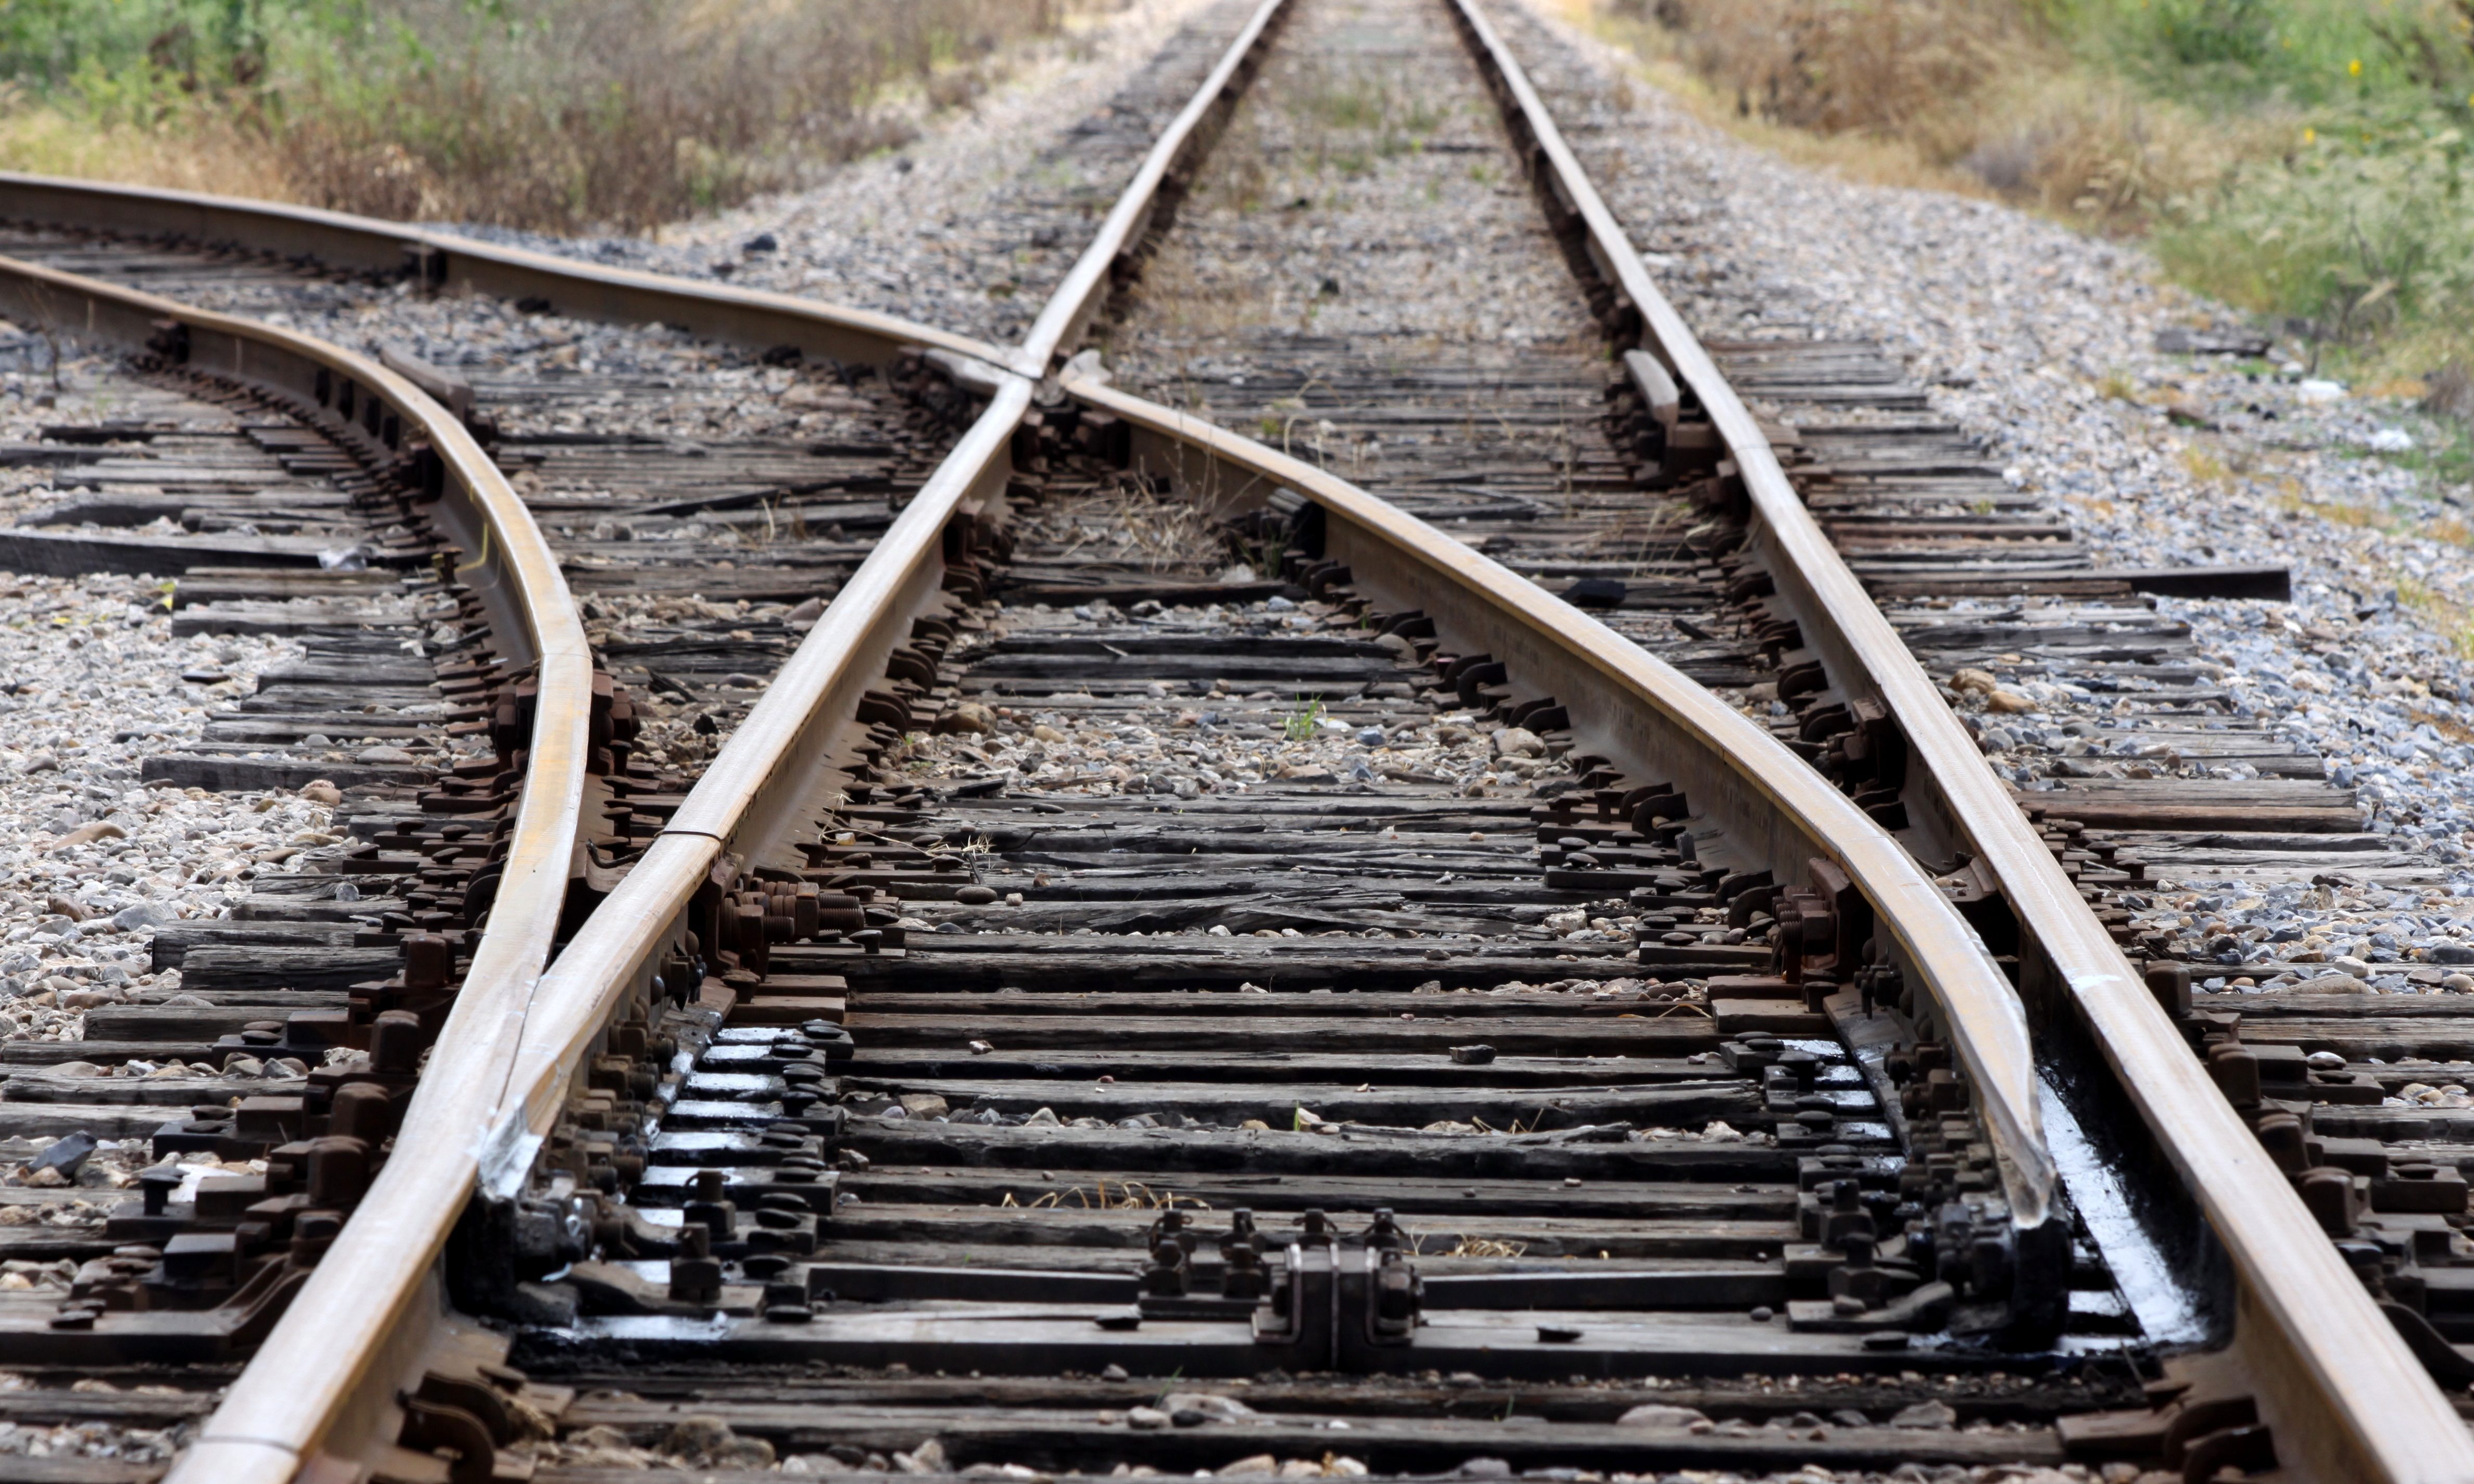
2360, 231
1365, 115
2304, 159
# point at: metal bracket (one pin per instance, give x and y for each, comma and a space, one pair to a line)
1337, 1308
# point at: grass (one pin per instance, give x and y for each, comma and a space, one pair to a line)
2448, 459
1365, 115
2303, 159
1129, 522
2438, 610
553, 115
2205, 467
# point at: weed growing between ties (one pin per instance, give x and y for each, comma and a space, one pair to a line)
555, 114
1364, 113
1132, 523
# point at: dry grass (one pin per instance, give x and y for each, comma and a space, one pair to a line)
1125, 1196
553, 115
2091, 150
1126, 523
2205, 467
696, 104
2441, 612
1661, 63
2300, 159
208, 155
1968, 95
1191, 300
1838, 68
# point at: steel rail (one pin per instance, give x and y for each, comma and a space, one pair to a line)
263, 1433
445, 259
373, 1271
749, 792
754, 790
334, 1360
756, 787
2339, 1384
280, 1419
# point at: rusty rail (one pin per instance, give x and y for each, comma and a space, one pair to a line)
373, 1272
445, 260
2329, 1364
765, 778
323, 1370
323, 1389
2336, 1378
1630, 703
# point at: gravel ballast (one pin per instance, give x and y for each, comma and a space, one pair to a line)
2043, 344
90, 858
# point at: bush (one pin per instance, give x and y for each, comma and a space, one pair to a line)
2359, 233
545, 114
2304, 158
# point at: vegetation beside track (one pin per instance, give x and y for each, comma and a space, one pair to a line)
2304, 159
554, 114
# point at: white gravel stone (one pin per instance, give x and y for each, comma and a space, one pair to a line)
2041, 343
87, 661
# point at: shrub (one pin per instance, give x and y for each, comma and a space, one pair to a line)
2358, 233
2304, 158
545, 114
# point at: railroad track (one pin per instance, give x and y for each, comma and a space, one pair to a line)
761, 1152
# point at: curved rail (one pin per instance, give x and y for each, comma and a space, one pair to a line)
1634, 706
542, 1028
309, 1358
285, 1412
2347, 1366
444, 259
751, 790
2354, 1397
